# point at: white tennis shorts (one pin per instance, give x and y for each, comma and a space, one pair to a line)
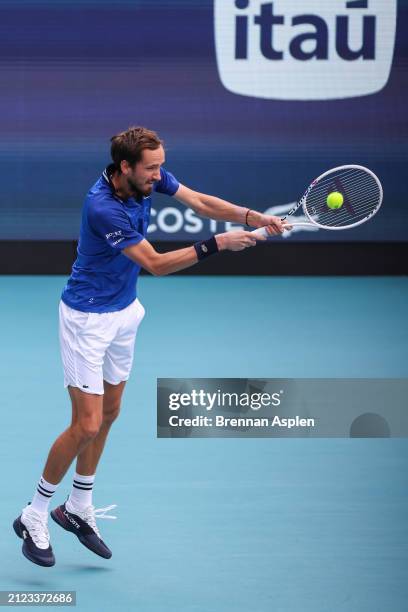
98, 346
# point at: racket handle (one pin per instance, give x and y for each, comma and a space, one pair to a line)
263, 232
304, 223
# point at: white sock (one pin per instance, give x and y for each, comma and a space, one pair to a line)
81, 492
42, 496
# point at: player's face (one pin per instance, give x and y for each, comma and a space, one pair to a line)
146, 172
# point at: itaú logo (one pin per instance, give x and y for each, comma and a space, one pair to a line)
296, 50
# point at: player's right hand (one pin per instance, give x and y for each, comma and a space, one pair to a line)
236, 241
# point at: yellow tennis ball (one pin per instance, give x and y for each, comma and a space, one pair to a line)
335, 200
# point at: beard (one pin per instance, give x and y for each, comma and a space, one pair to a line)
138, 190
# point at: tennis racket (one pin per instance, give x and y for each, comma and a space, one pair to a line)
357, 195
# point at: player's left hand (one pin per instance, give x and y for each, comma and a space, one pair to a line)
275, 224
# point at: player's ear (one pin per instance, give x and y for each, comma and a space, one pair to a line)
124, 166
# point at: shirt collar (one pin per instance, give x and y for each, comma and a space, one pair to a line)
107, 176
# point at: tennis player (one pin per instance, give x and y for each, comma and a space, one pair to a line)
99, 318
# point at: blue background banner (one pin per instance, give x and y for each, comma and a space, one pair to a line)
75, 73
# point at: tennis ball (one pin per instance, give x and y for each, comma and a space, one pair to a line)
335, 200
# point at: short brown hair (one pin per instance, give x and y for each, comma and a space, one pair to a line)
129, 145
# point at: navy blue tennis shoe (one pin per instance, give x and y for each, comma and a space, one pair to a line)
31, 527
83, 524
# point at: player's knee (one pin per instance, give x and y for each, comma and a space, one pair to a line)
87, 429
111, 412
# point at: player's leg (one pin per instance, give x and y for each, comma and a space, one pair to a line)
31, 525
88, 458
84, 338
78, 513
79, 502
87, 410
83, 345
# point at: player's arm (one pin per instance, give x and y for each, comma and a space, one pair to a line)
221, 210
160, 264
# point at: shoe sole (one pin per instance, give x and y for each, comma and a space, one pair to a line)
26, 553
55, 517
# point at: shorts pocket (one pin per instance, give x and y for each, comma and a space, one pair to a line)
80, 321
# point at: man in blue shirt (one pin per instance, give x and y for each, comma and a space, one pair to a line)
99, 318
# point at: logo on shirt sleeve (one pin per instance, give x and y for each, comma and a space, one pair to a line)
113, 234
117, 234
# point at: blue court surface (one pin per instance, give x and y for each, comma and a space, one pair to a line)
217, 525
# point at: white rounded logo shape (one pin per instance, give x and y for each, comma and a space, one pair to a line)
294, 50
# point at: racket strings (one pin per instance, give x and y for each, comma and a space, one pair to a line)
327, 185
370, 197
361, 193
345, 219
352, 182
346, 173
343, 216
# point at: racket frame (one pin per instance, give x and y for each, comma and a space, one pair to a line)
312, 222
